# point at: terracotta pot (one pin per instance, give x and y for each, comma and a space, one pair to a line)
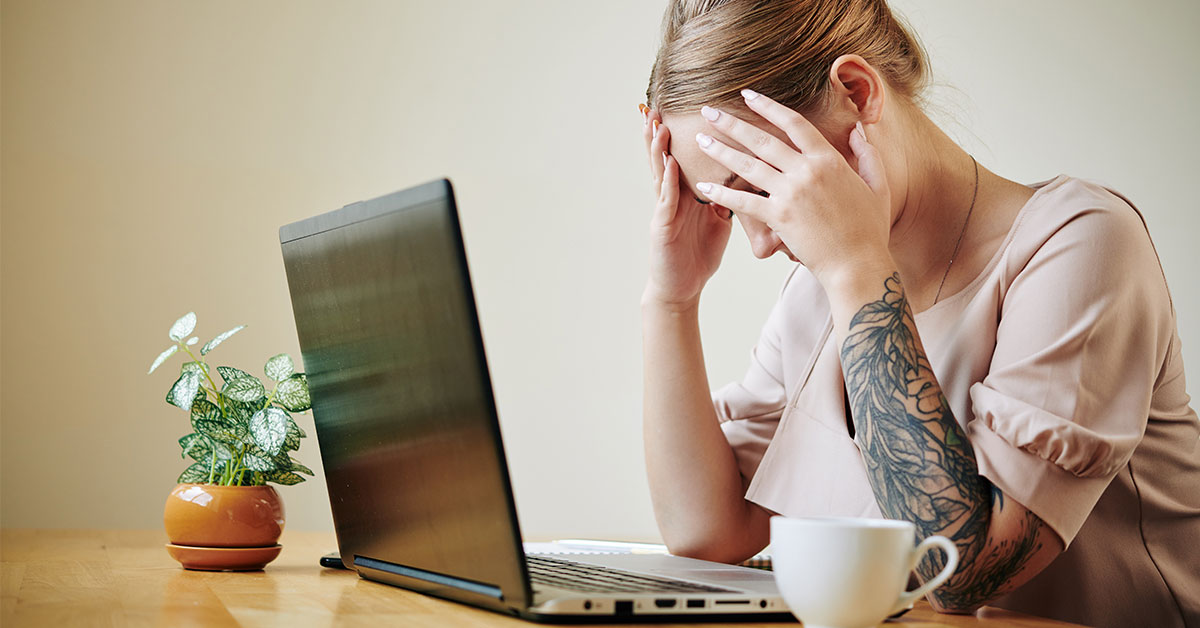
205, 515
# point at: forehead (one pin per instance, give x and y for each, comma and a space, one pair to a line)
694, 164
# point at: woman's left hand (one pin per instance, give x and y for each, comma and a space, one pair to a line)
833, 219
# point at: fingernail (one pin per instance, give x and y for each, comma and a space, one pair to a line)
709, 113
704, 187
861, 133
664, 159
703, 140
654, 129
749, 94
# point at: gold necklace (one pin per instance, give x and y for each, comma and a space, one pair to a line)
963, 233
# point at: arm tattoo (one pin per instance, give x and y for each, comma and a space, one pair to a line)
919, 462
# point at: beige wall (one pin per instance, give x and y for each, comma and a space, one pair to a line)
152, 149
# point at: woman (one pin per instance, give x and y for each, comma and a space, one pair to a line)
994, 362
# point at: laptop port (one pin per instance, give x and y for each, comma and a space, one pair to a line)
664, 603
624, 607
695, 603
731, 601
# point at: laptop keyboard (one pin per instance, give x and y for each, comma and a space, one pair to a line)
596, 579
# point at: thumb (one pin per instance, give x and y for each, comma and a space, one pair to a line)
870, 165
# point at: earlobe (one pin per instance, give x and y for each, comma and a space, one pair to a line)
856, 83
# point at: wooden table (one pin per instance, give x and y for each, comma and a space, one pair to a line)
125, 578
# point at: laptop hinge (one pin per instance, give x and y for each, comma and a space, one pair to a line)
432, 577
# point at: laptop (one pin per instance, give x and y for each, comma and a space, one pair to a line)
410, 439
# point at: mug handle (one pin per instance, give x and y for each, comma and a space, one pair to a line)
908, 597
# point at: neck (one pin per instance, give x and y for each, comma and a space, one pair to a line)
936, 193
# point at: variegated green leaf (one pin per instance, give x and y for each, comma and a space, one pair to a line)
241, 412
191, 442
183, 326
291, 441
296, 466
200, 447
212, 344
280, 367
255, 463
195, 474
228, 433
228, 373
200, 368
193, 340
197, 419
183, 392
205, 409
268, 427
162, 357
292, 393
246, 389
287, 478
252, 447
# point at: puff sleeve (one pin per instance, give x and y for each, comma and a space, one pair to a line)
749, 410
1085, 324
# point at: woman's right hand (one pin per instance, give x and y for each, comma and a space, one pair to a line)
687, 238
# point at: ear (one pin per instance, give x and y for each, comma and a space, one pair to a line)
856, 85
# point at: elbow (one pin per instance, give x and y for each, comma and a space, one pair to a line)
701, 551
705, 549
728, 539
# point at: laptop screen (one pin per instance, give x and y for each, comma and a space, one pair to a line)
402, 402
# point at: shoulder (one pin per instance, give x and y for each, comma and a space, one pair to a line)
1084, 226
1080, 251
1072, 209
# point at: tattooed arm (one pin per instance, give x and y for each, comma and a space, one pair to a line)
919, 462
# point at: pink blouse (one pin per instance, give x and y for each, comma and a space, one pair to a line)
1062, 362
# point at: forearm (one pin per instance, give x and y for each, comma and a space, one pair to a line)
695, 484
920, 464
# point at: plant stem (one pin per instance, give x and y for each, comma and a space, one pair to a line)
237, 468
212, 465
204, 364
205, 369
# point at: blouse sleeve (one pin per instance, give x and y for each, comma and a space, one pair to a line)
749, 410
1085, 324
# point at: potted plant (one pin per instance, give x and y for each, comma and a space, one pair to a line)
223, 515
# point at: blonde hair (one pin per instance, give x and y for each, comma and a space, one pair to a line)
712, 49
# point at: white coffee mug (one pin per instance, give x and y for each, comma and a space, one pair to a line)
850, 573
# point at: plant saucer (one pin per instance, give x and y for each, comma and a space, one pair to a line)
223, 558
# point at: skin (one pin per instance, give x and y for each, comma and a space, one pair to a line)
875, 215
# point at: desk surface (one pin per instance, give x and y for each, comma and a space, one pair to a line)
125, 578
